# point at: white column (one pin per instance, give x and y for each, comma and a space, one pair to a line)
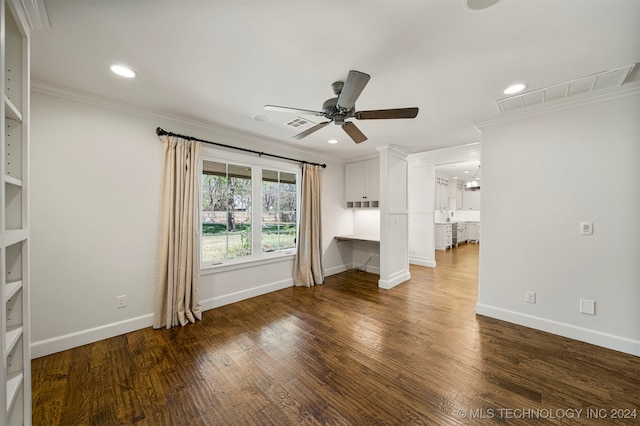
394, 215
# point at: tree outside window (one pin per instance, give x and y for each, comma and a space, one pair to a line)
226, 211
279, 210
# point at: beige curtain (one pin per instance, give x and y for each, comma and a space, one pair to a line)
178, 269
308, 266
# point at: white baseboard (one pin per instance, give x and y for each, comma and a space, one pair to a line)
598, 338
227, 299
337, 269
422, 261
84, 337
394, 280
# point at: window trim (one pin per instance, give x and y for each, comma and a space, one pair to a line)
257, 257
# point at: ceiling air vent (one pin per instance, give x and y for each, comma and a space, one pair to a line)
591, 83
299, 123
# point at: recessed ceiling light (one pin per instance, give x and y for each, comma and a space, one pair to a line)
514, 88
466, 171
455, 177
332, 141
262, 118
476, 5
123, 71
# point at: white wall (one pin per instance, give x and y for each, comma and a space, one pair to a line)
366, 222
543, 174
94, 218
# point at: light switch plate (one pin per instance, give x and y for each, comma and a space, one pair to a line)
586, 228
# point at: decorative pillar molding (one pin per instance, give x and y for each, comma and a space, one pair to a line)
36, 14
394, 215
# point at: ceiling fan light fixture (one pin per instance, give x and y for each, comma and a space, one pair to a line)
515, 88
123, 71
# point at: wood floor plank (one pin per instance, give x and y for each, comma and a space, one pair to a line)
343, 353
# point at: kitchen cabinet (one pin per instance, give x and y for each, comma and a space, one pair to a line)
473, 231
443, 236
459, 233
459, 192
362, 184
442, 193
471, 200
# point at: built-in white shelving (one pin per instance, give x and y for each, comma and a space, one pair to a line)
15, 374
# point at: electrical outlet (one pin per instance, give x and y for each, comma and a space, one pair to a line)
588, 306
121, 301
530, 296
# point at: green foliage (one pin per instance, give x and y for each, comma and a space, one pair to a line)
221, 228
279, 228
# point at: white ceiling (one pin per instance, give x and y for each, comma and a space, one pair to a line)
462, 172
220, 61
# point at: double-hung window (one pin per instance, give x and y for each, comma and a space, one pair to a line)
249, 209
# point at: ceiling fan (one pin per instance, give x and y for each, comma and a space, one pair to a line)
338, 109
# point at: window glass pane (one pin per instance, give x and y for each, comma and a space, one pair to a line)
278, 210
226, 211
287, 230
269, 201
288, 201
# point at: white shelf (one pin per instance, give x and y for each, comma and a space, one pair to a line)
11, 288
12, 237
13, 385
12, 181
13, 335
10, 110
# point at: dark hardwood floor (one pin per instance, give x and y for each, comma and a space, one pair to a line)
345, 353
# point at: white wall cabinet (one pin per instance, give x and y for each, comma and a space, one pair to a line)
442, 193
459, 192
471, 200
15, 374
362, 184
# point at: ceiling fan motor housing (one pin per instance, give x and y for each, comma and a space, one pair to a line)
330, 107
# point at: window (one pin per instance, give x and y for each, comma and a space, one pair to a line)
279, 216
226, 211
234, 226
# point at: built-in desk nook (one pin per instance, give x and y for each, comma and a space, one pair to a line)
363, 250
357, 237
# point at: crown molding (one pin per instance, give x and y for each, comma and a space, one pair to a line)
36, 13
587, 100
215, 130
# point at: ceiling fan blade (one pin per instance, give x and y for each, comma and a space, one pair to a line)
352, 88
297, 110
378, 114
310, 130
353, 131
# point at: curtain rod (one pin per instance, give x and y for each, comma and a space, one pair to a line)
161, 132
